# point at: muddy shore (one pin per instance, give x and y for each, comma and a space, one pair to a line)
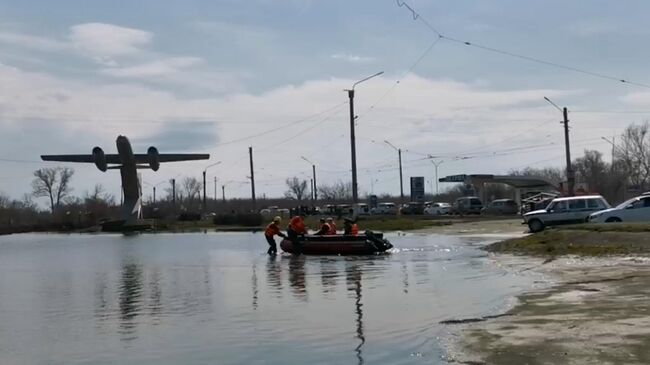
590, 308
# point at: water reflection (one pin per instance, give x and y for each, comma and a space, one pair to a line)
254, 285
130, 294
274, 275
329, 274
353, 279
297, 277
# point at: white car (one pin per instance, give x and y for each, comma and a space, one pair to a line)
437, 209
634, 210
569, 210
384, 208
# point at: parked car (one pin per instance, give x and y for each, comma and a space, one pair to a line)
384, 208
501, 207
634, 210
575, 209
361, 209
437, 208
412, 208
467, 205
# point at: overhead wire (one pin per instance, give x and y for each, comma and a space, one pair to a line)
418, 16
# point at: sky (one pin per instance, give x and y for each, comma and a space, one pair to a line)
219, 77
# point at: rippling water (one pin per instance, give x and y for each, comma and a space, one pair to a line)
218, 299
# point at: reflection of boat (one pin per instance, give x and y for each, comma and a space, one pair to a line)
363, 244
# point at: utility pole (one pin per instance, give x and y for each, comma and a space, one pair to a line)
313, 169
353, 148
570, 176
571, 180
204, 183
154, 195
436, 164
203, 210
215, 191
250, 153
311, 186
401, 180
223, 193
174, 194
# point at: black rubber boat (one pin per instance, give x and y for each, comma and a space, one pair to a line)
364, 244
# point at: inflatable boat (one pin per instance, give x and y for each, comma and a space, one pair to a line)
364, 244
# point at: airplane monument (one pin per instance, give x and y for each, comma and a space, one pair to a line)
128, 163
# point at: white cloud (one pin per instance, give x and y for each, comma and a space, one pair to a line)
155, 68
105, 41
32, 42
421, 114
351, 58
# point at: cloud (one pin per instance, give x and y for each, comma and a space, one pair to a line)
104, 41
351, 58
33, 42
155, 68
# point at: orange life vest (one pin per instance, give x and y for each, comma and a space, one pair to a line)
332, 230
297, 224
355, 230
272, 229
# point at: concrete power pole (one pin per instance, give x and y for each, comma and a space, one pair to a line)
174, 194
401, 180
250, 153
353, 149
223, 193
569, 170
204, 195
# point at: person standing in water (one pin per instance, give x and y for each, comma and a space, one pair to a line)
272, 230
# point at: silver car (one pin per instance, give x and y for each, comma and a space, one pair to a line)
575, 209
634, 210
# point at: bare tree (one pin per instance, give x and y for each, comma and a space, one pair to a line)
99, 195
337, 191
191, 190
297, 189
634, 152
52, 183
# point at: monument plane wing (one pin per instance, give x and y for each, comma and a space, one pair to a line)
128, 163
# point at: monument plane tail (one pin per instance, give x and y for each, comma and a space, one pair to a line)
128, 163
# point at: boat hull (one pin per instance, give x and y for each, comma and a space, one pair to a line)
365, 244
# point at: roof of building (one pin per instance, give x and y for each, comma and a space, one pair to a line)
515, 181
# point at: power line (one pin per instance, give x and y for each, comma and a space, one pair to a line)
417, 16
280, 127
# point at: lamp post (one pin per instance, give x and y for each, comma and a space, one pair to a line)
401, 180
353, 148
154, 188
436, 164
569, 170
313, 169
204, 171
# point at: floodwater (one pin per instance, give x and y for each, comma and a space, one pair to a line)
217, 298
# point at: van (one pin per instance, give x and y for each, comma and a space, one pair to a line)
467, 205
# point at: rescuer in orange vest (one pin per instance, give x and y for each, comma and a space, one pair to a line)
325, 227
351, 228
271, 230
332, 225
295, 230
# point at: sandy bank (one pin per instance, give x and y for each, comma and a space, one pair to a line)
597, 312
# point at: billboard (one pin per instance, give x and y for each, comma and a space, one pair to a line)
417, 188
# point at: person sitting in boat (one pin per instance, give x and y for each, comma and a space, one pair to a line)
350, 228
296, 230
273, 229
324, 228
332, 224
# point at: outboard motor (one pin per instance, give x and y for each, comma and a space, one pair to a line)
100, 159
152, 155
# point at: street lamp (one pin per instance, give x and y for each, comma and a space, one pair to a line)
401, 180
355, 196
436, 164
569, 170
204, 171
313, 168
154, 188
